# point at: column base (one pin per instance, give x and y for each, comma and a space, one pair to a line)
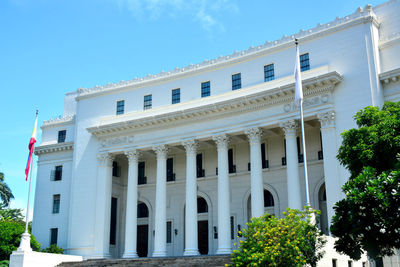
130, 254
222, 251
191, 252
159, 254
25, 244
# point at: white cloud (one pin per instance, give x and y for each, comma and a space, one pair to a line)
205, 12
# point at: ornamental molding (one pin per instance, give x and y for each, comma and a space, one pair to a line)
59, 121
322, 85
222, 141
105, 159
191, 146
254, 135
360, 16
115, 141
161, 151
390, 76
389, 40
289, 127
59, 147
308, 102
133, 154
327, 119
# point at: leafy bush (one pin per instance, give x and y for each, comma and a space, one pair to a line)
53, 249
10, 237
289, 241
4, 263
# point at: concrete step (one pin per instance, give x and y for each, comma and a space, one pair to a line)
195, 261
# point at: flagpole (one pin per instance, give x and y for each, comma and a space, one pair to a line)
29, 191
304, 144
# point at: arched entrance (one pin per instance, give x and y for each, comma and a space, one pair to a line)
323, 221
269, 204
142, 230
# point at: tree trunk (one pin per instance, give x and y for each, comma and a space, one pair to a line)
378, 262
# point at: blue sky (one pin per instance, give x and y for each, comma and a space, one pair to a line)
49, 47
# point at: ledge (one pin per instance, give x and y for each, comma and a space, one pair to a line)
54, 148
58, 121
253, 98
390, 76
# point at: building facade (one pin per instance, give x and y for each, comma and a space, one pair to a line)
176, 163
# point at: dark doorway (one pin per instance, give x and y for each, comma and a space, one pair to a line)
202, 235
142, 240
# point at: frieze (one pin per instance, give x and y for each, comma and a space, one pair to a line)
121, 140
308, 102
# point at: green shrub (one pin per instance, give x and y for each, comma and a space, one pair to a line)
53, 249
4, 263
10, 237
289, 241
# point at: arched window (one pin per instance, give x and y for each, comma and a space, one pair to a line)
202, 206
268, 199
269, 204
142, 210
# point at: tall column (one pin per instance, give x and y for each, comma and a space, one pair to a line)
292, 165
160, 241
131, 205
103, 206
191, 243
331, 164
224, 233
256, 179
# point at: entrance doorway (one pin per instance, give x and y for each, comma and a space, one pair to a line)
202, 237
142, 240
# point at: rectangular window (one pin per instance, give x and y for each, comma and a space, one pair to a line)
170, 170
116, 169
113, 221
264, 160
147, 102
232, 168
120, 107
58, 173
176, 96
61, 136
269, 74
304, 62
141, 173
169, 232
199, 165
53, 236
299, 155
232, 227
205, 89
284, 158
236, 81
350, 263
334, 261
56, 203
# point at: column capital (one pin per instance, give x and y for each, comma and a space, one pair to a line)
289, 127
161, 151
191, 146
133, 154
254, 135
327, 119
105, 158
221, 140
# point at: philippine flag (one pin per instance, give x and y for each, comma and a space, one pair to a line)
31, 147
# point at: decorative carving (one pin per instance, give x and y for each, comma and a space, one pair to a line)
191, 146
59, 120
117, 141
289, 127
105, 159
54, 148
133, 154
161, 151
321, 99
327, 119
221, 140
363, 15
254, 135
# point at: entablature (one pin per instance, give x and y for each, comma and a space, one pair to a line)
59, 121
244, 100
390, 76
45, 149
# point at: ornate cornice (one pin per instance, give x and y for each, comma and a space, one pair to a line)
254, 135
59, 121
39, 150
327, 119
289, 127
390, 76
239, 102
361, 15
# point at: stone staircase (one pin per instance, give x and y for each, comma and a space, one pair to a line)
195, 261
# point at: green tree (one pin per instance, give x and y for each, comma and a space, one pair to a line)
12, 214
5, 191
289, 241
10, 237
368, 217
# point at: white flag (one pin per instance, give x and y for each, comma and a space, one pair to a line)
298, 93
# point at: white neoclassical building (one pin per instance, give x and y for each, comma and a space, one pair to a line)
177, 162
